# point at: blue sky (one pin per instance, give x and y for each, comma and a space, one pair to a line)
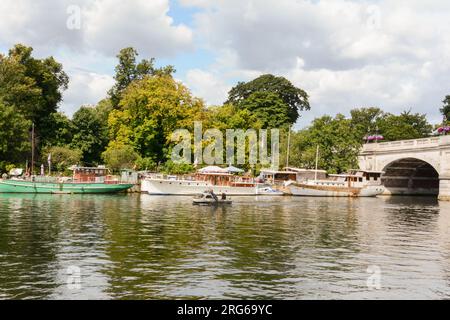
394, 54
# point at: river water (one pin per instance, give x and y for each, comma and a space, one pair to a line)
145, 247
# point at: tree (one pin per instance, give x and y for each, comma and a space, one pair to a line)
295, 99
90, 133
338, 144
62, 157
445, 110
365, 121
118, 157
269, 108
14, 138
62, 128
33, 87
149, 112
405, 126
129, 70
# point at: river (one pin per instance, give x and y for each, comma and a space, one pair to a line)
146, 247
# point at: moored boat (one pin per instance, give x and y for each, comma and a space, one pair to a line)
357, 183
84, 181
216, 179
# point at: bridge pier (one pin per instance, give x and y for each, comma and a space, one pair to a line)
444, 189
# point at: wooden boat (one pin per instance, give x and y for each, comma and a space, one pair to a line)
209, 198
357, 183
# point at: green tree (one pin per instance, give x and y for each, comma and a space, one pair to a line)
295, 99
33, 87
62, 128
338, 144
445, 110
150, 111
118, 157
405, 126
90, 133
62, 157
129, 70
365, 121
269, 108
14, 138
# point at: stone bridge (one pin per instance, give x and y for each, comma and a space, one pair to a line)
411, 167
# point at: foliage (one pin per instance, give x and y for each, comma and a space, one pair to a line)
177, 168
445, 110
14, 135
33, 86
118, 157
129, 70
405, 126
150, 111
147, 164
62, 157
91, 133
338, 145
295, 99
62, 128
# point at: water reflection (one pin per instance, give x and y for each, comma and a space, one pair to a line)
143, 247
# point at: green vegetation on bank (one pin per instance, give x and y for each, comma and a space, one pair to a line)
132, 126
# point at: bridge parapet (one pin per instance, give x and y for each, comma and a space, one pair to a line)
399, 146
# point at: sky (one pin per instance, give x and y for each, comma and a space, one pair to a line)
392, 54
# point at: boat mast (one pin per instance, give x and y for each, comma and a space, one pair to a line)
317, 163
32, 149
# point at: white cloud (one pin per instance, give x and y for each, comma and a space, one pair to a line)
113, 24
85, 88
106, 26
208, 86
392, 54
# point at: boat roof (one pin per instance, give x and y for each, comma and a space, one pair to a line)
276, 172
87, 168
304, 170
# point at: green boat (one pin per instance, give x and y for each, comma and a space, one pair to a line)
23, 186
85, 180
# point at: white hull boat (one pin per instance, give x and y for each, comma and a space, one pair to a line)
155, 186
356, 184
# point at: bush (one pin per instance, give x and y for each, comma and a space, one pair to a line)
119, 157
177, 168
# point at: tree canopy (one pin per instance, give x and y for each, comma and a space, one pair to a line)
291, 100
150, 110
445, 110
129, 70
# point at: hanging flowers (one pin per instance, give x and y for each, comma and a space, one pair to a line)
374, 138
443, 130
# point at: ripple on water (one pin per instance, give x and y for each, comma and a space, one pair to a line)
143, 247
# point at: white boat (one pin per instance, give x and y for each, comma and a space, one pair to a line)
357, 183
218, 182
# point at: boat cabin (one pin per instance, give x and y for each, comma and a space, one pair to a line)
359, 178
90, 174
277, 177
225, 179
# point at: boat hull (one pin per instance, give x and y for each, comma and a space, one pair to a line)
10, 186
192, 188
324, 191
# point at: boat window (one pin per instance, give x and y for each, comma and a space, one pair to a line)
360, 179
375, 178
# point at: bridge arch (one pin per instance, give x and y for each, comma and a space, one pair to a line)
411, 176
